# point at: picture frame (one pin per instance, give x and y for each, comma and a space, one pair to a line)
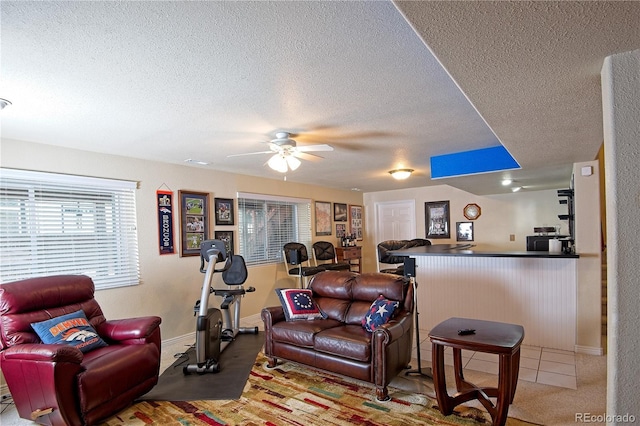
437, 224
356, 221
340, 212
323, 218
227, 238
194, 221
341, 230
224, 211
464, 231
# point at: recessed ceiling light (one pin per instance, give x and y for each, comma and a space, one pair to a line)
506, 182
191, 161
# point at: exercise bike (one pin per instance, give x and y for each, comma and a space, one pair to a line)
215, 328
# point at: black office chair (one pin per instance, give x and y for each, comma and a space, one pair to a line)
396, 263
296, 262
325, 257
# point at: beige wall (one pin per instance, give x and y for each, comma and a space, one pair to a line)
170, 283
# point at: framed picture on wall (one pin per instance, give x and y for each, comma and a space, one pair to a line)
436, 215
341, 230
224, 211
355, 221
194, 221
323, 218
227, 238
464, 231
339, 212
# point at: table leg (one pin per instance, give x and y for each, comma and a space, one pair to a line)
505, 389
439, 380
515, 365
457, 368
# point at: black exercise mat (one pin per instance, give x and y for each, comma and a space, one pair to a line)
236, 362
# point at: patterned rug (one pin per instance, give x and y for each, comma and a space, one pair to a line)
294, 395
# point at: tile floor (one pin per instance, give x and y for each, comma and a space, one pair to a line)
539, 365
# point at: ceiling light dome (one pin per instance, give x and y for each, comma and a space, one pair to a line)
401, 174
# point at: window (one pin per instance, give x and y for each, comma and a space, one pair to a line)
266, 223
53, 224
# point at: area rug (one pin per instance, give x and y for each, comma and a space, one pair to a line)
236, 362
294, 395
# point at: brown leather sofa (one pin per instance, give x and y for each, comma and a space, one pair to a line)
57, 384
339, 343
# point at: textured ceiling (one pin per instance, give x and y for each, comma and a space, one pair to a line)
168, 81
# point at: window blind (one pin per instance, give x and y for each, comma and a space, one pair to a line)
266, 223
53, 224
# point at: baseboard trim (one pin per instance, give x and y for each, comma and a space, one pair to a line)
589, 350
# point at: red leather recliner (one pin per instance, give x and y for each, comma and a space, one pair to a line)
58, 384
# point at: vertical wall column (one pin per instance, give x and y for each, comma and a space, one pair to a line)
621, 109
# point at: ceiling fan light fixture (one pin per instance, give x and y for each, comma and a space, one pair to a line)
278, 163
293, 162
401, 174
4, 103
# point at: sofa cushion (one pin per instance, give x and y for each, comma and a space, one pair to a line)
71, 329
347, 341
298, 304
380, 313
300, 333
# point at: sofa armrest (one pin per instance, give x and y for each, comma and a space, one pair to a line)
42, 381
272, 315
394, 329
129, 329
43, 352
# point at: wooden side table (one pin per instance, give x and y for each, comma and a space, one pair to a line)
349, 254
490, 337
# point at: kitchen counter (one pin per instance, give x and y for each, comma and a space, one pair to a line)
468, 250
537, 290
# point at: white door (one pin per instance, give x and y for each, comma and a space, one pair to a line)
395, 220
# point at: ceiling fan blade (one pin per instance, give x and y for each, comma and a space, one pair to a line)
319, 147
249, 153
305, 156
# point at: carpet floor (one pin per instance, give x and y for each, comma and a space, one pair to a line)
291, 394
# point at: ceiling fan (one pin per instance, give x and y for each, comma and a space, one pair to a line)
286, 152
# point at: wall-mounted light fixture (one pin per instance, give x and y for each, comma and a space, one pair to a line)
401, 174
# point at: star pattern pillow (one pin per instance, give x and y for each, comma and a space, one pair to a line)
380, 313
71, 329
299, 304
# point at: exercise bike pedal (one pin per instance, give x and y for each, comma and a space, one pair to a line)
227, 335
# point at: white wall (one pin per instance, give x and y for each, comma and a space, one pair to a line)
621, 109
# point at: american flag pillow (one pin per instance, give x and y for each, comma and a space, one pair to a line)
380, 313
299, 304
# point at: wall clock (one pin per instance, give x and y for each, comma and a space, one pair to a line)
472, 211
